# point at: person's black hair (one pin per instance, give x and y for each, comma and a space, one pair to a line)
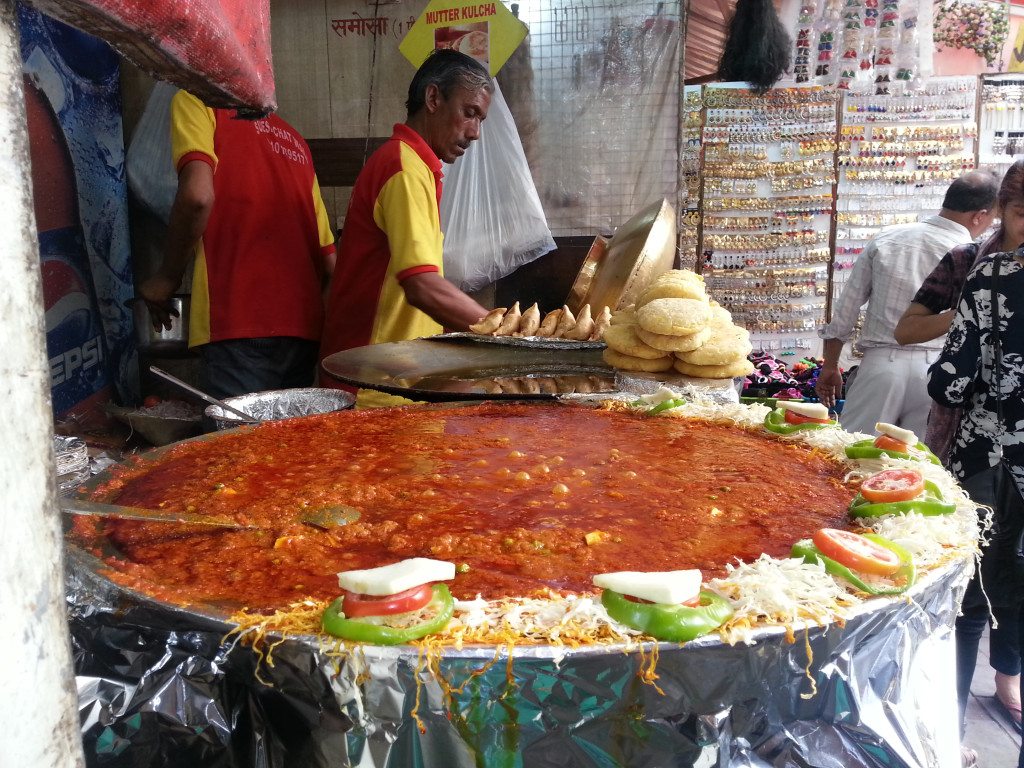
1012, 188
447, 70
757, 48
974, 191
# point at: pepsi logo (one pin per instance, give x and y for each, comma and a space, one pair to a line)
66, 300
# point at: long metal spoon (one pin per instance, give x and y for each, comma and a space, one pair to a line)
324, 518
98, 509
199, 393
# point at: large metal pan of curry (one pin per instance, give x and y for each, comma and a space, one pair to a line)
525, 498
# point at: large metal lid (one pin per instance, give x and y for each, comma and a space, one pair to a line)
640, 250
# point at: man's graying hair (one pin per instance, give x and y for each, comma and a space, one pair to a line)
974, 191
447, 70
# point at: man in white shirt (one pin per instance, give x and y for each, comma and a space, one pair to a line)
891, 383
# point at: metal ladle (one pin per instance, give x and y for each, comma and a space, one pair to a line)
199, 393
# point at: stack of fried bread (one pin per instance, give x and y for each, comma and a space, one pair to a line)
674, 325
557, 324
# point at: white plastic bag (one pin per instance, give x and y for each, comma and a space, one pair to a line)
151, 175
491, 215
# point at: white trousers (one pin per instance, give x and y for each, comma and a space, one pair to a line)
891, 385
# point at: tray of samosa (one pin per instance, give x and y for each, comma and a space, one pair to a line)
560, 328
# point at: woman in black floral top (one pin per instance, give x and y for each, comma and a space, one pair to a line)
963, 373
962, 376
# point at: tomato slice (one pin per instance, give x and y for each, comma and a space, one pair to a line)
796, 418
856, 552
356, 605
892, 485
887, 443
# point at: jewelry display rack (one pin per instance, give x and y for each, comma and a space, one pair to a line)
851, 43
767, 200
898, 151
1001, 121
689, 176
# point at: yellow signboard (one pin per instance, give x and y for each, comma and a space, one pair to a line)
1017, 57
486, 31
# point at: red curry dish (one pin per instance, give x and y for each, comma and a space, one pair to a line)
523, 498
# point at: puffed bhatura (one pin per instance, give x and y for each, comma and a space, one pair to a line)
668, 343
624, 316
729, 371
674, 315
673, 289
677, 317
726, 344
642, 364
624, 339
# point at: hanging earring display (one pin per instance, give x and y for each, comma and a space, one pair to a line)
767, 203
898, 151
689, 169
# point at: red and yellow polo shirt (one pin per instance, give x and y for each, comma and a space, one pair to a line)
260, 262
392, 231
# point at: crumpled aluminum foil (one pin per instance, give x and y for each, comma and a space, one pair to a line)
281, 404
158, 685
71, 456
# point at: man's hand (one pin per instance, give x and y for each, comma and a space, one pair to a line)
829, 386
442, 301
157, 292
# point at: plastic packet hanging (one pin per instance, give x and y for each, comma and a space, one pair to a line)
491, 215
148, 164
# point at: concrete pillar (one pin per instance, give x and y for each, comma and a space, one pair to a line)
38, 703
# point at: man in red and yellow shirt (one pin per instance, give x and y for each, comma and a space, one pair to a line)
248, 210
389, 284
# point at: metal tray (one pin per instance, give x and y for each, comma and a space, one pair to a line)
529, 342
439, 369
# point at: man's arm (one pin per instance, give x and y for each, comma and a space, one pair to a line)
919, 324
190, 212
829, 386
855, 294
442, 300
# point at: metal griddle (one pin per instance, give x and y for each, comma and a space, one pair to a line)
450, 368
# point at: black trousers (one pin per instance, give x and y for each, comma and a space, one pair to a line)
240, 366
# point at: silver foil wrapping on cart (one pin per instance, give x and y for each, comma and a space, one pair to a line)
159, 685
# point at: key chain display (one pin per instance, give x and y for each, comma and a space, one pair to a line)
768, 174
1001, 121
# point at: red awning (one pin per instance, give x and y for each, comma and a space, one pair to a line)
218, 50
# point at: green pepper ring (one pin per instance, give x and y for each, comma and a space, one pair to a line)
806, 550
666, 405
335, 623
865, 449
776, 422
930, 503
669, 622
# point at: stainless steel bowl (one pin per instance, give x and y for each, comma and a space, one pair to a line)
281, 404
161, 340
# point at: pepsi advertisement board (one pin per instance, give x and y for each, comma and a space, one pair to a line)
73, 105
